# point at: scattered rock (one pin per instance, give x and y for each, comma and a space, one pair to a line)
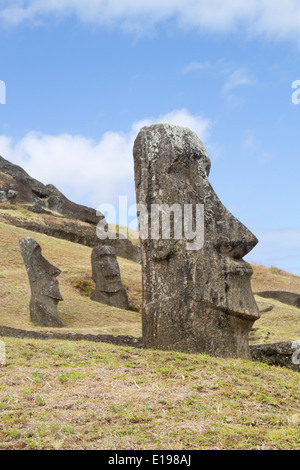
286, 354
264, 308
285, 297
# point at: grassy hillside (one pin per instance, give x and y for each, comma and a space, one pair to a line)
80, 314
274, 279
282, 323
77, 311
80, 395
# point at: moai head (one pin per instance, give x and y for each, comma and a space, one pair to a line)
105, 269
107, 277
197, 295
42, 275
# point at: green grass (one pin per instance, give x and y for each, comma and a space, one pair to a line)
88, 398
81, 395
282, 323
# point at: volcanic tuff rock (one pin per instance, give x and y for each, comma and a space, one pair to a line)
196, 296
285, 297
17, 187
285, 354
107, 277
42, 276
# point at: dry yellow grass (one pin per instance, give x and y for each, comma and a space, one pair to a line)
274, 279
77, 311
80, 314
81, 395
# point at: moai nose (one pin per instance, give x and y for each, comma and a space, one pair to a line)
233, 238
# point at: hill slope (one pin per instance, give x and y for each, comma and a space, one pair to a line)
80, 314
77, 311
80, 395
83, 395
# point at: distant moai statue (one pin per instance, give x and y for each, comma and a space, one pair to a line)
45, 294
107, 277
2, 92
195, 299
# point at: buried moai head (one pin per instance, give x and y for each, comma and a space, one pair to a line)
107, 277
42, 275
196, 287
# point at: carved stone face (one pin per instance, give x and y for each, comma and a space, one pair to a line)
208, 289
45, 294
42, 274
106, 272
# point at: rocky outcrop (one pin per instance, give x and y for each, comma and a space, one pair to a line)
288, 298
118, 340
285, 354
17, 187
63, 218
196, 286
84, 234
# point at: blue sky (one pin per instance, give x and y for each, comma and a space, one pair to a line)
82, 77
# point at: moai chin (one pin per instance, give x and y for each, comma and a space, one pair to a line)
107, 277
45, 294
197, 296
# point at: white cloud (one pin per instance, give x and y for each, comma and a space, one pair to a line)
236, 79
86, 171
194, 66
182, 117
279, 19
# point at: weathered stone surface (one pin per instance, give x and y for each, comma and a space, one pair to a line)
289, 298
17, 187
120, 340
107, 277
20, 188
264, 307
193, 300
45, 294
280, 354
66, 229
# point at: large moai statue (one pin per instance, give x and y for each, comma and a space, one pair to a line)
197, 296
45, 294
107, 277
